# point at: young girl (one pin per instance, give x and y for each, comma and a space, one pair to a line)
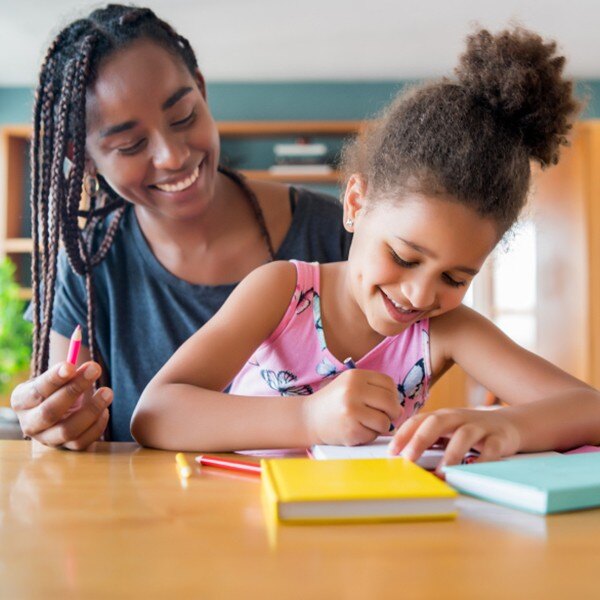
431, 189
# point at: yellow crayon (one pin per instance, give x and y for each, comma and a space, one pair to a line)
183, 466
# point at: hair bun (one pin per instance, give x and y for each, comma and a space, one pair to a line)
518, 77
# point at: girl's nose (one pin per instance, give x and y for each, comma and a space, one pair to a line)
171, 153
419, 292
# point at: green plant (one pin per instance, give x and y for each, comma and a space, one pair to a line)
15, 331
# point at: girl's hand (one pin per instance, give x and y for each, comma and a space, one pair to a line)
353, 409
490, 432
42, 406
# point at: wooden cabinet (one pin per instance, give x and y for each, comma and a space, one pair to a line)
332, 130
15, 227
566, 210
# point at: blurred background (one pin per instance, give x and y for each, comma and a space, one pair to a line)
286, 74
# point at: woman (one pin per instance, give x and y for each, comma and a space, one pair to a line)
121, 110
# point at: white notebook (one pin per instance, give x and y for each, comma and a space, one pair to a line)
377, 449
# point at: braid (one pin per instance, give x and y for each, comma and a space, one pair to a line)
59, 129
254, 205
40, 157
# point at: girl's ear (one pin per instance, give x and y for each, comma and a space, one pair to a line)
355, 201
201, 83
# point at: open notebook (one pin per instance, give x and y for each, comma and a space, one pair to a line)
376, 449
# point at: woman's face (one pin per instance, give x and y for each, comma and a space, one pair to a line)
150, 133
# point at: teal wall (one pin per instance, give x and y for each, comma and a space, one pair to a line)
589, 90
15, 105
257, 101
274, 101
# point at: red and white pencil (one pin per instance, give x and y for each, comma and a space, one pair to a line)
74, 346
228, 463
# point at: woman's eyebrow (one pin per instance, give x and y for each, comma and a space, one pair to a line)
168, 103
176, 97
118, 128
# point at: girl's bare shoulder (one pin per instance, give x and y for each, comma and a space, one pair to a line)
272, 280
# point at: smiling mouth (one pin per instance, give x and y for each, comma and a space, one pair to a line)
399, 307
181, 185
398, 313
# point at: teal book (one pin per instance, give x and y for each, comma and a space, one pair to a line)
543, 485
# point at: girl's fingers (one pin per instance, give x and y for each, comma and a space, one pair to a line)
491, 449
91, 435
431, 427
405, 433
462, 440
385, 402
381, 380
375, 420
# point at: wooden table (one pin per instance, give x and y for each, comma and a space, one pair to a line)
117, 523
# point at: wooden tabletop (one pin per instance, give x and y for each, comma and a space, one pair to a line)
117, 523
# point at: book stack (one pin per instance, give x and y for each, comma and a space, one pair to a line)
300, 158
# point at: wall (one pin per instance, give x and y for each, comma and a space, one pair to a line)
280, 101
257, 101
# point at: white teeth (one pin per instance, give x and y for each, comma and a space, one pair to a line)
398, 306
181, 185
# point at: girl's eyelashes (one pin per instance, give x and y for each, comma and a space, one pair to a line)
402, 262
450, 281
412, 264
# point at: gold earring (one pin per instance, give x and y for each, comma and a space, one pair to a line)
91, 185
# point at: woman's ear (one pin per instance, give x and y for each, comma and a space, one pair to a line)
200, 83
90, 167
355, 201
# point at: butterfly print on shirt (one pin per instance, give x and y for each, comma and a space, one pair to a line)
412, 385
304, 300
326, 369
283, 383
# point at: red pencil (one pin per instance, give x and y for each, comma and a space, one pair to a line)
228, 463
74, 346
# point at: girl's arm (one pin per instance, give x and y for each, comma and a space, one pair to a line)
184, 408
549, 409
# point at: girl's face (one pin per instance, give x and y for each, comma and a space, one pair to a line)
414, 258
150, 133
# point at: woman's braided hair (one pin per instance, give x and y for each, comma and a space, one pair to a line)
70, 66
473, 137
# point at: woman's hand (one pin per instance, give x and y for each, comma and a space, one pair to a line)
353, 409
43, 406
490, 432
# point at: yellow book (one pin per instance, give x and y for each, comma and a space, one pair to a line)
301, 490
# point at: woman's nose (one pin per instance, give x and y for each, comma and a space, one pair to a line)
170, 153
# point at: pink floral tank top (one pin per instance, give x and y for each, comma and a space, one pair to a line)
295, 360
